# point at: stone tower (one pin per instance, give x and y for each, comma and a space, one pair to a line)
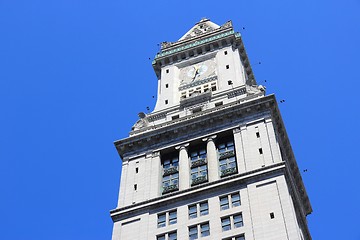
213, 160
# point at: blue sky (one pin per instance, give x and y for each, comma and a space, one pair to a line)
75, 73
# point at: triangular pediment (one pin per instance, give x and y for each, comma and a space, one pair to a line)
204, 26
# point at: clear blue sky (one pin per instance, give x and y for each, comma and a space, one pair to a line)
75, 73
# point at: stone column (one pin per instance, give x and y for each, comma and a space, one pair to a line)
184, 168
211, 155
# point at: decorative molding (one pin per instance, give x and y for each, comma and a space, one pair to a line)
198, 180
171, 170
196, 99
155, 154
170, 188
182, 146
194, 44
227, 154
228, 24
155, 117
198, 162
236, 178
236, 93
228, 171
209, 139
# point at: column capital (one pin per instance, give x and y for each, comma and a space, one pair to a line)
182, 146
155, 154
209, 139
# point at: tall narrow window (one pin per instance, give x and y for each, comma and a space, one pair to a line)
192, 211
225, 224
198, 166
193, 233
161, 220
238, 221
172, 217
224, 203
204, 208
170, 175
227, 161
205, 229
235, 199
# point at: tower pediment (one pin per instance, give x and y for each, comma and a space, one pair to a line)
204, 26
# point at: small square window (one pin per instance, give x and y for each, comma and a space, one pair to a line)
225, 52
272, 215
166, 101
260, 151
167, 70
227, 66
167, 85
175, 117
137, 170
257, 134
218, 104
135, 187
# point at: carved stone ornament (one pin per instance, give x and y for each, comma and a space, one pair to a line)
255, 89
141, 123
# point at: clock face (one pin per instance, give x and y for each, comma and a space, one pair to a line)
197, 71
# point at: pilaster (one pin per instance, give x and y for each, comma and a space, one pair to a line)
211, 155
239, 148
184, 168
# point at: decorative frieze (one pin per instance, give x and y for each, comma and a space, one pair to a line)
228, 171
194, 44
170, 188
227, 154
236, 93
198, 180
155, 117
171, 170
199, 162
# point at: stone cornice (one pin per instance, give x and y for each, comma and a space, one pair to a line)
212, 118
195, 42
169, 45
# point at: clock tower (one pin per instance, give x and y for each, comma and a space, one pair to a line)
213, 160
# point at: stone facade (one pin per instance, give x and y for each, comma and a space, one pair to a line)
213, 160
